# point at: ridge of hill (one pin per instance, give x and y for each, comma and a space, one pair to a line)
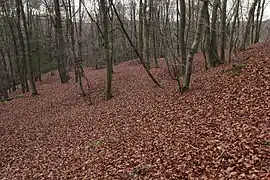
220, 129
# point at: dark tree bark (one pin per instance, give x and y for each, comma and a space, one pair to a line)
178, 28
105, 23
15, 49
60, 43
147, 18
233, 29
182, 35
248, 25
22, 67
4, 77
153, 19
29, 53
223, 31
207, 40
141, 43
194, 47
259, 22
214, 45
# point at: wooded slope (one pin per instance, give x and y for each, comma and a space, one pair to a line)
220, 129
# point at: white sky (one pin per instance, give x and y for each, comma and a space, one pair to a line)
267, 11
230, 2
245, 2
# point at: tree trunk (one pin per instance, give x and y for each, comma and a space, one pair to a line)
182, 35
146, 34
259, 24
223, 31
233, 29
16, 50
60, 42
141, 43
27, 31
105, 23
112, 39
4, 78
191, 19
38, 49
153, 19
248, 25
133, 46
178, 28
214, 46
22, 67
207, 44
11, 69
133, 12
194, 47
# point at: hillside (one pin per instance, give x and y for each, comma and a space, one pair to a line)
220, 129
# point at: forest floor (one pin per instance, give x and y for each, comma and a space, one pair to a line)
220, 129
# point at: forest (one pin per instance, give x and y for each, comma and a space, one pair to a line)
134, 89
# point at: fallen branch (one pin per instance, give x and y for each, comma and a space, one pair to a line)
133, 46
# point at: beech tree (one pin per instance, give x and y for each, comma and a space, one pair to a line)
223, 31
104, 12
195, 45
181, 34
27, 31
60, 44
248, 24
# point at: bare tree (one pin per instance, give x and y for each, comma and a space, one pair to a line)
233, 29
223, 31
248, 25
133, 46
30, 63
104, 12
214, 46
194, 47
260, 13
60, 42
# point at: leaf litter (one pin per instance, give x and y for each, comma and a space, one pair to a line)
220, 129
